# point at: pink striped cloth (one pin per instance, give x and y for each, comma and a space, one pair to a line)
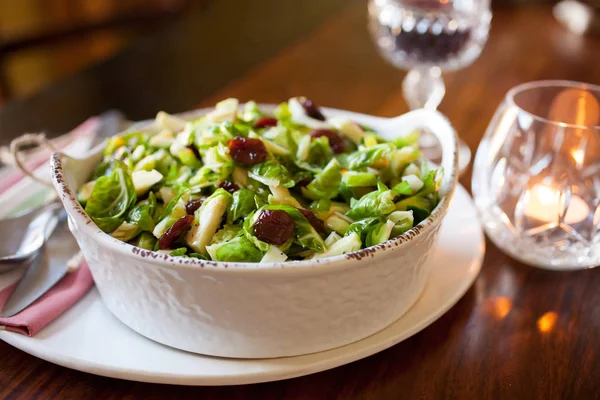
38, 159
51, 305
69, 289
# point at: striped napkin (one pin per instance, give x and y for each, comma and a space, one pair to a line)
19, 192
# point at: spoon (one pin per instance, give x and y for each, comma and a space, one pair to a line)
25, 234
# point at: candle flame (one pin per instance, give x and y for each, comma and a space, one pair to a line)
546, 194
544, 204
578, 156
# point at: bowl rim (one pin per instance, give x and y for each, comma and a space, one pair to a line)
327, 264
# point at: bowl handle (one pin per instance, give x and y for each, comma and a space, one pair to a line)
436, 123
29, 139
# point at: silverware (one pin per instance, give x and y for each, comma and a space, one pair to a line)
22, 234
46, 255
27, 231
48, 266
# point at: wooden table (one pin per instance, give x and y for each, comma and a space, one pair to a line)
518, 333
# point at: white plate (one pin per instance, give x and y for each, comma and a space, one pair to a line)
88, 338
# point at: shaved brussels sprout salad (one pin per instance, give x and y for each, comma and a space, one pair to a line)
239, 184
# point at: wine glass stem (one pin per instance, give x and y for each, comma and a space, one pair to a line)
424, 88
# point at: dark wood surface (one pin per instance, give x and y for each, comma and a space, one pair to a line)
518, 333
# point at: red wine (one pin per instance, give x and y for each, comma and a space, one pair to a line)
435, 36
429, 47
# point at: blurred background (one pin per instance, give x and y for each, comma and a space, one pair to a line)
69, 59
42, 41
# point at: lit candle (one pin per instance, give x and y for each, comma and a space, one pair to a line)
545, 205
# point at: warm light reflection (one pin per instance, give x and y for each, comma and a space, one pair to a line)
581, 117
499, 307
575, 106
577, 155
547, 321
544, 204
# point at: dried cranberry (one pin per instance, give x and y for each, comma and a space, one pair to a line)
335, 141
177, 229
312, 110
192, 205
229, 186
274, 227
312, 218
247, 150
265, 122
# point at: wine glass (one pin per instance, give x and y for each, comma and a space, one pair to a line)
536, 176
427, 37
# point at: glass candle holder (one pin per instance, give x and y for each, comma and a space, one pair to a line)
536, 177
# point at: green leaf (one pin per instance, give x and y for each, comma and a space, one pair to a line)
327, 183
429, 183
362, 228
359, 179
179, 177
319, 151
379, 233
320, 206
282, 112
367, 156
111, 197
187, 157
215, 134
402, 189
178, 252
419, 205
198, 256
291, 142
126, 231
347, 193
417, 201
373, 204
403, 221
84, 192
337, 223
420, 214
248, 228
218, 160
204, 177
170, 205
251, 112
131, 140
239, 249
174, 210
146, 241
239, 128
104, 168
261, 200
142, 214
163, 162
271, 173
409, 139
243, 204
227, 233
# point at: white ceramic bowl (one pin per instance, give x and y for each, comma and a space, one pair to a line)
250, 310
